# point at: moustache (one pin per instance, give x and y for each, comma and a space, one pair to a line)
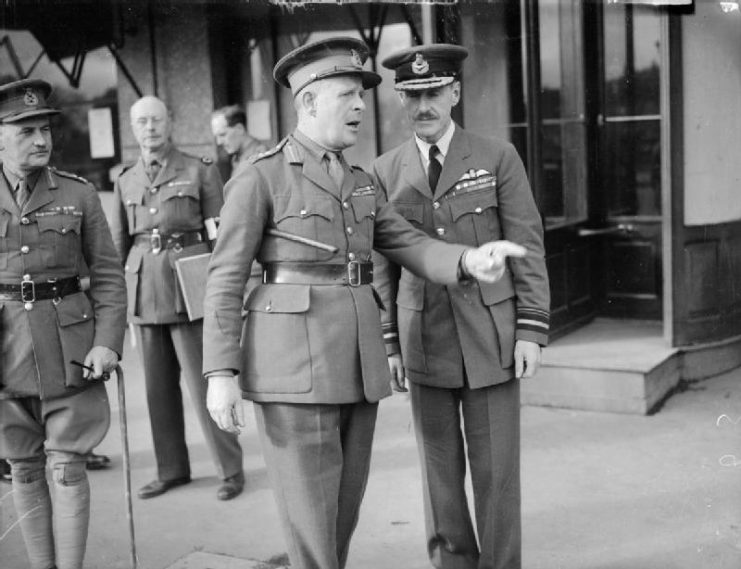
425, 117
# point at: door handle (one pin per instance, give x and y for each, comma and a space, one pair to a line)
620, 228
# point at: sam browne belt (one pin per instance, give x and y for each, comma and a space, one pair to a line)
354, 273
29, 291
158, 241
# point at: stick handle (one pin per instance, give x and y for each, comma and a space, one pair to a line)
299, 239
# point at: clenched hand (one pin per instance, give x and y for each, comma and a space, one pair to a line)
224, 403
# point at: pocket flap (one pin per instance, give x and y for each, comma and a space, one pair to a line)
134, 260
179, 190
494, 293
364, 207
74, 309
474, 202
281, 299
411, 293
410, 211
59, 223
322, 208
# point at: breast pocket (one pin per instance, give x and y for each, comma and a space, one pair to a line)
412, 212
314, 219
60, 239
180, 202
476, 216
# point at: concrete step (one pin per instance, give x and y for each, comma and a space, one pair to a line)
622, 366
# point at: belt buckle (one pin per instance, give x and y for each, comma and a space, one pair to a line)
353, 273
28, 289
155, 242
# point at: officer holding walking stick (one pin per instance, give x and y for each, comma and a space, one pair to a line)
53, 412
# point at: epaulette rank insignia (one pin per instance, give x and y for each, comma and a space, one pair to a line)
271, 152
69, 175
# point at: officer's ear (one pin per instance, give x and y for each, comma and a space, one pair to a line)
308, 101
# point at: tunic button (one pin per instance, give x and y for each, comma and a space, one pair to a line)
152, 210
153, 191
478, 210
180, 194
302, 212
373, 214
351, 256
346, 205
64, 230
440, 230
349, 231
268, 308
435, 205
28, 306
129, 202
25, 249
25, 221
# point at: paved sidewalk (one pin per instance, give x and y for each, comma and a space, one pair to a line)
600, 491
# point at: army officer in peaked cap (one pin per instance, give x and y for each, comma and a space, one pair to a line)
464, 346
52, 412
310, 352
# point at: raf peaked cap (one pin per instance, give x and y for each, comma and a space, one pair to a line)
322, 59
25, 99
426, 66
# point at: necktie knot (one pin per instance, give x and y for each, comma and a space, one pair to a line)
153, 169
434, 168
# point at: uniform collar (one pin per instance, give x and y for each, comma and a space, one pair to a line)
443, 144
13, 179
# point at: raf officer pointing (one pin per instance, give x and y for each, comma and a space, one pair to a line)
310, 352
464, 346
52, 412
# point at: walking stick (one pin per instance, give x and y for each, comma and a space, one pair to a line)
126, 465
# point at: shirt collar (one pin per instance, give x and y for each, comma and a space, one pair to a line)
314, 148
161, 158
13, 179
442, 145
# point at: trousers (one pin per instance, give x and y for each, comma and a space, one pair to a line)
168, 352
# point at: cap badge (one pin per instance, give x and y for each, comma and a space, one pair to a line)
30, 99
355, 58
420, 65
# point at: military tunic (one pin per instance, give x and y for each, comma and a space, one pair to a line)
302, 343
61, 230
186, 191
482, 195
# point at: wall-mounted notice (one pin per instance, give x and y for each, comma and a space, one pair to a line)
100, 125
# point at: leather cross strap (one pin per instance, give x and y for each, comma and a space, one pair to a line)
29, 291
354, 273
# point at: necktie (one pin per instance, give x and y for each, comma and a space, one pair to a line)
336, 171
152, 170
434, 168
21, 193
